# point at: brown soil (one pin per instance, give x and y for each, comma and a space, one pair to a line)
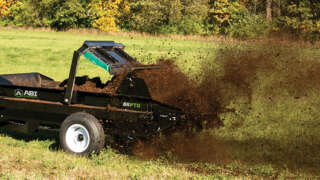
270, 71
166, 82
200, 147
171, 86
84, 83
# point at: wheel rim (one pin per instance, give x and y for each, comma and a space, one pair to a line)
77, 138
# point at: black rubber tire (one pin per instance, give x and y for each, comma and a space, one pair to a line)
92, 125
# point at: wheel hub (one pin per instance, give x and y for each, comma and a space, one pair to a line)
77, 138
80, 137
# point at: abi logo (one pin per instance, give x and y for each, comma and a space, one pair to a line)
18, 93
25, 93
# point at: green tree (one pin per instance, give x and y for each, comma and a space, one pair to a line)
71, 14
222, 13
57, 14
195, 14
167, 16
146, 16
301, 18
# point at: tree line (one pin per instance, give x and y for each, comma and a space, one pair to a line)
236, 18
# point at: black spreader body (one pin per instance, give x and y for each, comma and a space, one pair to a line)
130, 112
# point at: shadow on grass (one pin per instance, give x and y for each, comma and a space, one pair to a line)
41, 135
18, 133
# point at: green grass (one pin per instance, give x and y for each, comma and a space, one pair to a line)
272, 139
50, 53
33, 160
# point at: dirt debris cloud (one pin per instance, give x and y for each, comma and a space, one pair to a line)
202, 147
269, 67
268, 70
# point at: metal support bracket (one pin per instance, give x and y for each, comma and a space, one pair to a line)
72, 77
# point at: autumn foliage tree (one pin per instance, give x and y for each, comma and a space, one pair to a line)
236, 18
108, 12
5, 7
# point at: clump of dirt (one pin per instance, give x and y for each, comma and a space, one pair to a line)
166, 82
199, 100
88, 86
171, 86
84, 83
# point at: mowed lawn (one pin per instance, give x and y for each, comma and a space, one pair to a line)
268, 139
50, 52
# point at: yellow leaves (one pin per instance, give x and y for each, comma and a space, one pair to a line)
108, 12
244, 2
317, 26
125, 7
308, 26
275, 28
221, 11
106, 24
5, 7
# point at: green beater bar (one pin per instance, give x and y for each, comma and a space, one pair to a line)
96, 61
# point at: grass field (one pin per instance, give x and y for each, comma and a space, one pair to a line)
274, 137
